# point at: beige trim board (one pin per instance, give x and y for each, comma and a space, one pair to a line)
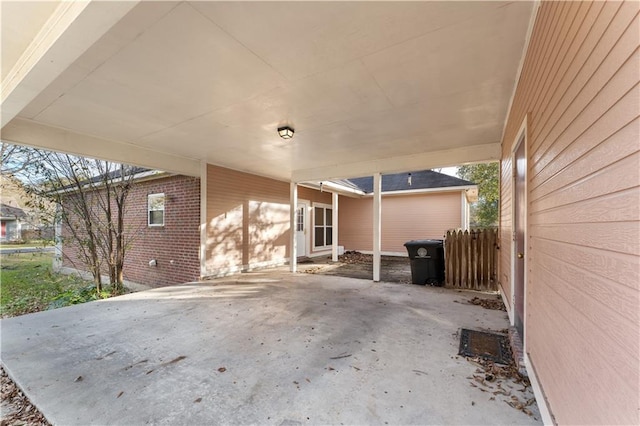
425, 191
507, 304
525, 51
22, 131
541, 400
69, 32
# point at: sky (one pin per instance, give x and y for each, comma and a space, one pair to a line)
451, 171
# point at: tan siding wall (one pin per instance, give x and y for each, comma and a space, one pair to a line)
313, 195
404, 218
355, 223
579, 87
247, 220
505, 229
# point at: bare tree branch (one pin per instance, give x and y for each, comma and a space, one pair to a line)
93, 195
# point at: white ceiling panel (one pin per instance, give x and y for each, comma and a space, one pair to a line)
359, 82
305, 38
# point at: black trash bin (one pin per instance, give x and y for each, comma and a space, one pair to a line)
427, 261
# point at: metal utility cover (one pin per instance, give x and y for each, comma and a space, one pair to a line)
491, 346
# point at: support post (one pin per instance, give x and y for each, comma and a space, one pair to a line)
203, 218
377, 224
293, 201
334, 227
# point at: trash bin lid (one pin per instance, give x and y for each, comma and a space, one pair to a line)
428, 243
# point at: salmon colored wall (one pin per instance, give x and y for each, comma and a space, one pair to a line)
404, 218
313, 195
579, 90
247, 221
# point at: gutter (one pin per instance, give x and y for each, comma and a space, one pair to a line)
427, 190
141, 177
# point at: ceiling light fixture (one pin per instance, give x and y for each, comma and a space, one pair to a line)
285, 132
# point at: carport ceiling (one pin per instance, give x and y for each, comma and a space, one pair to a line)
368, 86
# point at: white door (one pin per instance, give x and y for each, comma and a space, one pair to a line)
519, 199
301, 229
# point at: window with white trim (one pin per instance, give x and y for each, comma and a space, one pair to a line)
300, 219
322, 226
156, 209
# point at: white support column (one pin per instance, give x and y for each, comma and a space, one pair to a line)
203, 218
464, 214
377, 224
334, 227
293, 202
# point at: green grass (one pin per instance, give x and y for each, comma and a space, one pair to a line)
28, 284
33, 243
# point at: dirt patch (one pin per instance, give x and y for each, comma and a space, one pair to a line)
16, 407
495, 304
355, 258
353, 264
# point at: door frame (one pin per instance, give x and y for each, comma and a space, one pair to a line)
521, 138
307, 246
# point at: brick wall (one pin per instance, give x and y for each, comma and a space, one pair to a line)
175, 246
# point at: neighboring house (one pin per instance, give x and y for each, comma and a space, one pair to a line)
32, 225
549, 88
11, 219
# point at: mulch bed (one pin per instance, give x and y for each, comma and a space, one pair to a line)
16, 407
355, 257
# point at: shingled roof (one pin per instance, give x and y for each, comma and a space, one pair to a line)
7, 211
424, 179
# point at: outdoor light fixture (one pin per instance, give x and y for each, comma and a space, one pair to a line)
285, 132
409, 179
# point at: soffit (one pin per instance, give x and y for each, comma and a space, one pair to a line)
359, 81
20, 22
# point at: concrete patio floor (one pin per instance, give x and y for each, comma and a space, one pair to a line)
258, 348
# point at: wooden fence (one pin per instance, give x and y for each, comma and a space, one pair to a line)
471, 259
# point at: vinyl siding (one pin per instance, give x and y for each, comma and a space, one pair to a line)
505, 230
579, 91
314, 196
247, 221
404, 218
